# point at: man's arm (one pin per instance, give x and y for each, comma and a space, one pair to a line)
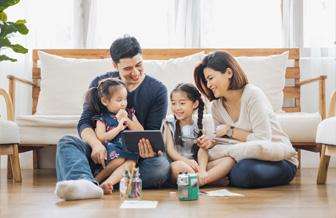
158, 110
86, 132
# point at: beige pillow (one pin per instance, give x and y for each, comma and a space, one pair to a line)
261, 150
65, 81
173, 71
268, 73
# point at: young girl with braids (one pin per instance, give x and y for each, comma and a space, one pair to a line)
109, 101
180, 134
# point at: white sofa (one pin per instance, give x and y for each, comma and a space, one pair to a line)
64, 81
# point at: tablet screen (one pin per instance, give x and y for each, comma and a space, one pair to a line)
131, 139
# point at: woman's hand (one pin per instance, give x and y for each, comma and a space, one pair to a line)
221, 130
205, 143
193, 164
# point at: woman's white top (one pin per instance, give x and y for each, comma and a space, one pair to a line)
256, 116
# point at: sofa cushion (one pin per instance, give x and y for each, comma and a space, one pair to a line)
9, 132
44, 135
65, 121
268, 73
300, 126
326, 132
65, 81
46, 129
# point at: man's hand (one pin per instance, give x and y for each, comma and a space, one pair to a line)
222, 130
98, 154
146, 149
193, 164
205, 143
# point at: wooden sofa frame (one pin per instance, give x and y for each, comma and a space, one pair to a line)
290, 92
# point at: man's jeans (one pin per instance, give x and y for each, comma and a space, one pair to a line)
73, 161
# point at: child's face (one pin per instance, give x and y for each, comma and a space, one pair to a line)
117, 101
182, 106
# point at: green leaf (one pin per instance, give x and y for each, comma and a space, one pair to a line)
20, 22
21, 27
7, 3
4, 42
7, 29
10, 27
3, 16
19, 48
6, 58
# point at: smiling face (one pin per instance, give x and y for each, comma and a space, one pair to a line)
182, 107
217, 81
117, 101
131, 69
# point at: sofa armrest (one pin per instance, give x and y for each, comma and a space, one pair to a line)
25, 81
332, 106
9, 105
12, 85
322, 101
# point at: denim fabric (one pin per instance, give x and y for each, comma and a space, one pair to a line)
251, 173
73, 161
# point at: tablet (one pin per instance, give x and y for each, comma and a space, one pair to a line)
131, 139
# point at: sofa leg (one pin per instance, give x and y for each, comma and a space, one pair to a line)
299, 158
9, 168
15, 162
323, 167
35, 159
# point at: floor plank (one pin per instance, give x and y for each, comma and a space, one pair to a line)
303, 198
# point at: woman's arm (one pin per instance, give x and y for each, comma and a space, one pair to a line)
240, 134
259, 109
103, 136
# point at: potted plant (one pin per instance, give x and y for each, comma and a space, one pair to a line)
8, 29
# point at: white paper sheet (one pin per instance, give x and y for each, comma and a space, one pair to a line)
222, 193
138, 204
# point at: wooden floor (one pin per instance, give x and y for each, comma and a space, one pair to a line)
303, 198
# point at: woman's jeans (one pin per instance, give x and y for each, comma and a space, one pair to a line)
251, 173
73, 161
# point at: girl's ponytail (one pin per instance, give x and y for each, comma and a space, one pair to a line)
93, 100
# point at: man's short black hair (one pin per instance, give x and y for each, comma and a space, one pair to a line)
124, 47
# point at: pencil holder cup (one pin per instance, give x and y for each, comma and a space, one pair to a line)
130, 186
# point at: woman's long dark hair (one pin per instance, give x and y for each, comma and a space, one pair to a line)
219, 61
194, 95
105, 88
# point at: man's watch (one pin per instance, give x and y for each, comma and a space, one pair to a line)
229, 132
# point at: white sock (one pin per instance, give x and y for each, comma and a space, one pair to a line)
78, 189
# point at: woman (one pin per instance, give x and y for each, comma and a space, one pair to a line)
242, 112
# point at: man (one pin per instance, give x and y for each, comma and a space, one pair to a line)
75, 158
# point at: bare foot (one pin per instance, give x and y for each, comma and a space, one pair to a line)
107, 187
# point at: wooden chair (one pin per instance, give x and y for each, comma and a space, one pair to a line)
326, 136
9, 140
